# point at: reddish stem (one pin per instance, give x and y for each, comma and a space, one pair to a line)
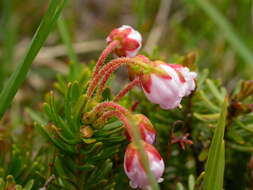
134, 106
111, 46
104, 70
126, 89
104, 105
120, 116
101, 86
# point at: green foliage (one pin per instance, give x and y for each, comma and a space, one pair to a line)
225, 27
10, 183
81, 161
53, 146
17, 78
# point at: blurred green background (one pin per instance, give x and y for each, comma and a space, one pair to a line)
222, 37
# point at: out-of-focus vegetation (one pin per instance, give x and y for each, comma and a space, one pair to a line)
219, 32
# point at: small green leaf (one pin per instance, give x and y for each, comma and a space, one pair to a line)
214, 90
62, 146
207, 117
191, 182
75, 91
89, 141
245, 127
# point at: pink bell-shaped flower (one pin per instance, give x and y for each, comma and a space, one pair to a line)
147, 131
130, 41
168, 90
134, 168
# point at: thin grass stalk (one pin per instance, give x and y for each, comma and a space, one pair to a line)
65, 35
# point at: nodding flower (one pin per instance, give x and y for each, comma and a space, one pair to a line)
129, 41
134, 167
168, 89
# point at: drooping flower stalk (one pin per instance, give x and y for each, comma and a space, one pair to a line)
95, 80
114, 65
101, 85
109, 49
145, 127
126, 89
134, 106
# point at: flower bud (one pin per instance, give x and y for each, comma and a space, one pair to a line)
86, 131
147, 131
134, 167
130, 41
169, 89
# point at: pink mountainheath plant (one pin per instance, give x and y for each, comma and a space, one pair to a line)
163, 84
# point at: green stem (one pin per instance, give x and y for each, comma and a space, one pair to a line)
74, 67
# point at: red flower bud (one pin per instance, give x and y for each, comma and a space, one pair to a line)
130, 41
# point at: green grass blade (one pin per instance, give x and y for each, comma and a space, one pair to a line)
140, 10
74, 67
227, 30
19, 75
215, 165
9, 35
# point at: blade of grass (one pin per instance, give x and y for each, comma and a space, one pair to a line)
215, 165
8, 33
19, 75
227, 30
140, 9
74, 67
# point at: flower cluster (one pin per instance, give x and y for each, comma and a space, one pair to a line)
162, 83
